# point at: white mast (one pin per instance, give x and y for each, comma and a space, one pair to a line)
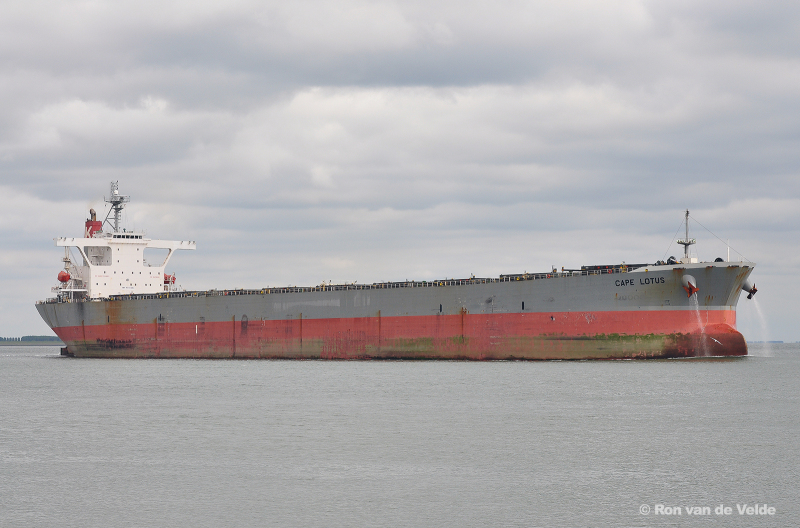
117, 203
686, 242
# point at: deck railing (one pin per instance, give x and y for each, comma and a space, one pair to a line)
351, 287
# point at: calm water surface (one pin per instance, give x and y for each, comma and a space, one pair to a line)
384, 443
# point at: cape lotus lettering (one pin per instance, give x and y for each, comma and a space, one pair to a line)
643, 282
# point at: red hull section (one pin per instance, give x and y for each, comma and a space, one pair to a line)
567, 335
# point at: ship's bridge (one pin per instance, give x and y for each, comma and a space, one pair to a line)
114, 262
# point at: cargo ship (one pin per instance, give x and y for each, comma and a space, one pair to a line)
111, 302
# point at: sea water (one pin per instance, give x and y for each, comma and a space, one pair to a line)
95, 442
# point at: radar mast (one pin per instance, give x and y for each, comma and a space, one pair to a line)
117, 202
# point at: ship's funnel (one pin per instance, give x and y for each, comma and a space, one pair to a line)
689, 284
750, 289
92, 227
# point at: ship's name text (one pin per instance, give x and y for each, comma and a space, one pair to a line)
643, 282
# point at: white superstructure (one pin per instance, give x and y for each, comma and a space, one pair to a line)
114, 263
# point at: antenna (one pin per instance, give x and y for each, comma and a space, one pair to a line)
117, 202
686, 242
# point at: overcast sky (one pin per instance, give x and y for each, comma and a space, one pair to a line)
305, 141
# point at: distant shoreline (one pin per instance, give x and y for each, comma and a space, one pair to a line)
31, 343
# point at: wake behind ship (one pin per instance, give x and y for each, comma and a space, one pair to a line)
114, 303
